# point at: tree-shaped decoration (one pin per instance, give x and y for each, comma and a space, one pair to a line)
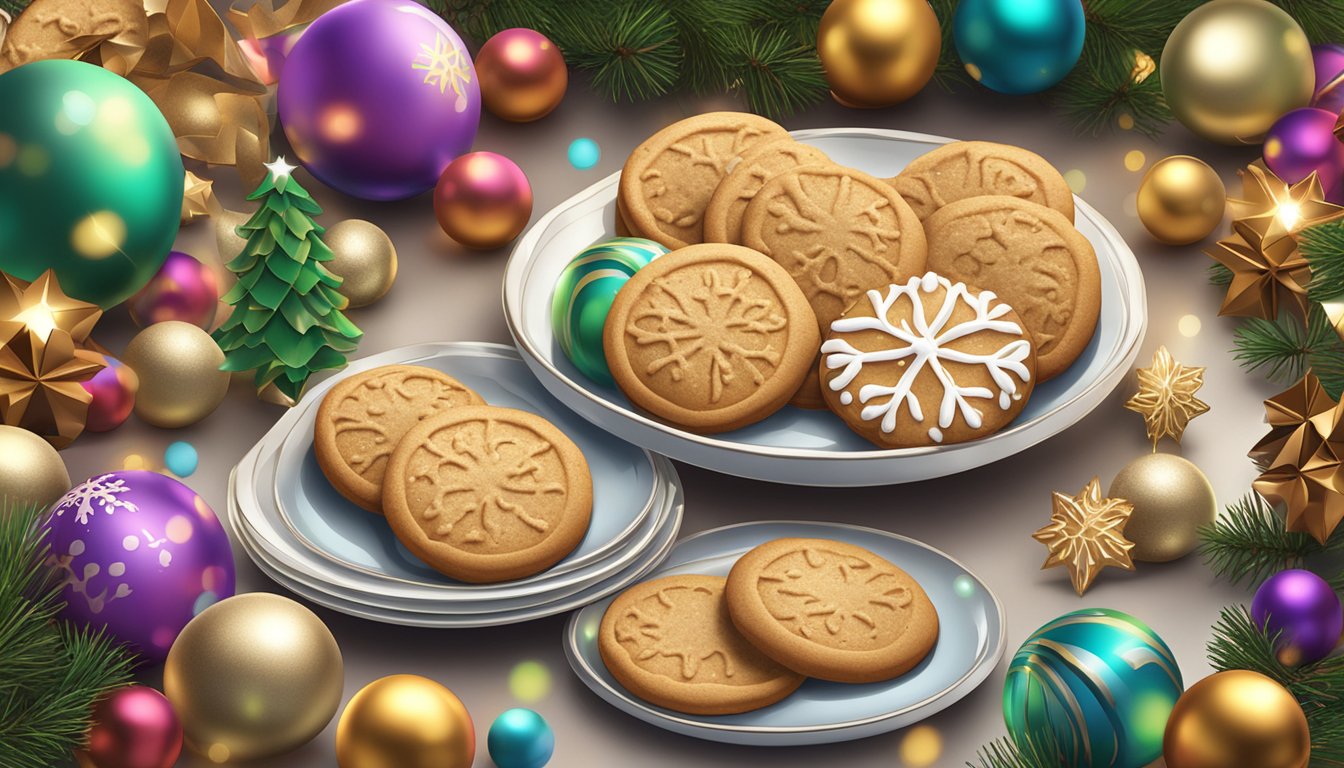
287, 321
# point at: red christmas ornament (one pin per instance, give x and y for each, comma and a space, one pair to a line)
134, 727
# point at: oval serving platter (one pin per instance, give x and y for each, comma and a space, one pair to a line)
970, 643
797, 446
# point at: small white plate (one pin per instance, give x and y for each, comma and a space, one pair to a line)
798, 446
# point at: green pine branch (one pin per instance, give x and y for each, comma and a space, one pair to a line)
1322, 20
1248, 543
1220, 275
14, 7
50, 673
1323, 247
1005, 753
950, 73
637, 57
1284, 348
777, 74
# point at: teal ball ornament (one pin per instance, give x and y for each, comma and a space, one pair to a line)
520, 738
583, 297
1019, 46
1098, 684
90, 180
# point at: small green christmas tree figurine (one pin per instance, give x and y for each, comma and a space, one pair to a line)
287, 321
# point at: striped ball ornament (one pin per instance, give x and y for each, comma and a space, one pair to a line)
1096, 684
583, 297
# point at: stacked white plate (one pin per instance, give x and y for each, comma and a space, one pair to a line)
315, 543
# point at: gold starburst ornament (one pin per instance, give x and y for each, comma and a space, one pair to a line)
1086, 534
1166, 397
1302, 458
198, 198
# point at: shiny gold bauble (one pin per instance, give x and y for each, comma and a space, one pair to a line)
365, 260
253, 676
1181, 200
178, 367
31, 472
878, 52
1172, 498
405, 721
1232, 67
522, 74
1237, 719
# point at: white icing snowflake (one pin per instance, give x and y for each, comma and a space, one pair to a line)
94, 495
927, 344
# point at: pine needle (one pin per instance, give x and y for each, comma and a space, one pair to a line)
776, 74
14, 7
1284, 348
1220, 275
1247, 543
950, 72
637, 57
1323, 247
1037, 751
1322, 20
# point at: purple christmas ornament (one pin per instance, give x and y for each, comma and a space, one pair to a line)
183, 289
377, 97
1329, 64
1302, 606
141, 554
1303, 141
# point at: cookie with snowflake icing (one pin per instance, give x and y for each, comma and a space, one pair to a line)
711, 337
670, 642
362, 419
831, 610
927, 362
486, 494
667, 180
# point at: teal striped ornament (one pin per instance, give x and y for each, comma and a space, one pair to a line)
583, 297
1096, 684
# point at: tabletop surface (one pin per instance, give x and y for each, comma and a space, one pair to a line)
983, 518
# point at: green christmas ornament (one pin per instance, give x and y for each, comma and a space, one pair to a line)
1097, 685
287, 321
90, 180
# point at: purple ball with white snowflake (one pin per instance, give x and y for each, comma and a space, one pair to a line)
139, 554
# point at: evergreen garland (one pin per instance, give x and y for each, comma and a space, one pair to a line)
1248, 543
50, 673
13, 7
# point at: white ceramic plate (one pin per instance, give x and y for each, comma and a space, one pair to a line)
814, 447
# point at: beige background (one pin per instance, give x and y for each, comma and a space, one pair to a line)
983, 518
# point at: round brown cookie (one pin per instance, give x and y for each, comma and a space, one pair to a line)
838, 232
723, 216
965, 169
487, 494
710, 337
927, 362
668, 180
1034, 259
622, 228
361, 420
670, 642
831, 610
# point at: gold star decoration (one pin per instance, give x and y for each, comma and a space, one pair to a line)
1086, 534
1166, 397
40, 375
198, 198
1301, 458
1275, 209
43, 306
1263, 272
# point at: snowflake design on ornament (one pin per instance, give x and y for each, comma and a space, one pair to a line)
445, 65
928, 344
94, 495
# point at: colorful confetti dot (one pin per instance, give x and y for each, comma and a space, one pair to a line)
921, 747
1188, 325
1076, 179
584, 153
181, 459
1134, 160
530, 681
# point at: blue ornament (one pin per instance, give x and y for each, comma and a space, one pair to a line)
1097, 684
583, 297
584, 153
520, 738
1019, 46
180, 458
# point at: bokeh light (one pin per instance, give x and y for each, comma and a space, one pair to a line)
584, 153
921, 747
529, 681
1134, 160
1076, 179
1188, 325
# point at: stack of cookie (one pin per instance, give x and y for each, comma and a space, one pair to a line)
790, 609
921, 309
481, 494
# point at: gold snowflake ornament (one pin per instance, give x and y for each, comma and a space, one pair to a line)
446, 66
1166, 397
1086, 534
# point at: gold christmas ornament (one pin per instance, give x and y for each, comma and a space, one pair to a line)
1302, 458
178, 367
253, 676
198, 198
1264, 272
1237, 719
1232, 67
1166, 397
878, 52
1274, 209
405, 721
31, 472
365, 260
1171, 500
1086, 534
1181, 200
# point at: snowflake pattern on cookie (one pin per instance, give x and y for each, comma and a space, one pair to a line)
920, 343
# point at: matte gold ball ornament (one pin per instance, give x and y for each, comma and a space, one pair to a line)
1233, 67
365, 260
878, 52
1172, 498
178, 368
1237, 719
1181, 200
31, 472
253, 676
405, 721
